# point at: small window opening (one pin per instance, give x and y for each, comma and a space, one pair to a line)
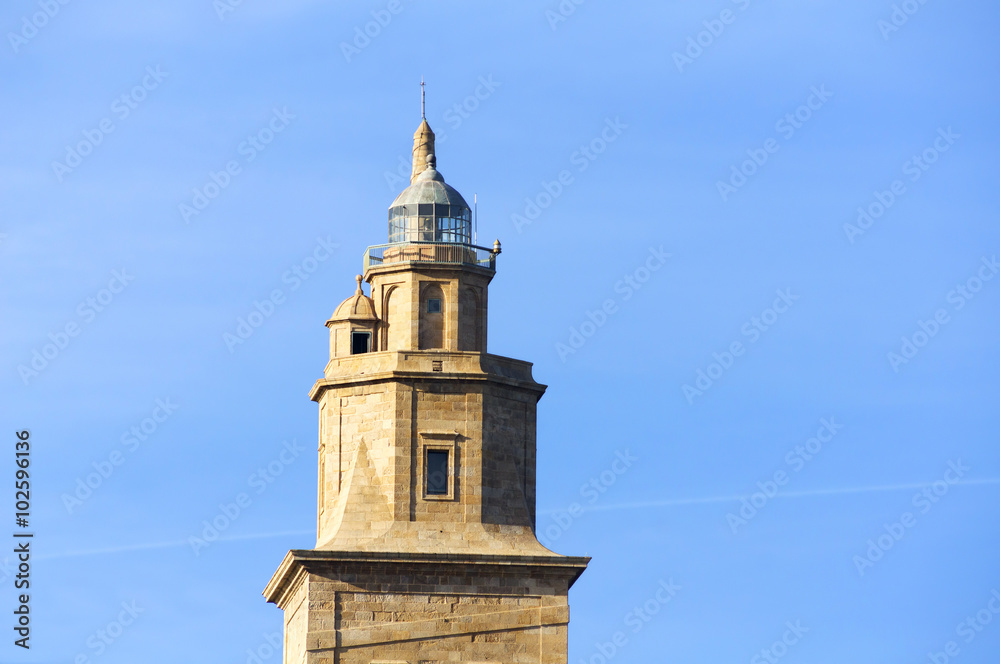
361, 342
433, 306
437, 472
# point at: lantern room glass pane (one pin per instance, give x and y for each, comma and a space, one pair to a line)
434, 223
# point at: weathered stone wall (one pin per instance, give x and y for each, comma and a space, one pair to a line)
508, 459
471, 318
349, 416
400, 295
296, 625
373, 442
416, 614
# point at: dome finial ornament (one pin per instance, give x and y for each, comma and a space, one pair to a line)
359, 279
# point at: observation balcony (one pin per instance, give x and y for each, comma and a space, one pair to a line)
431, 252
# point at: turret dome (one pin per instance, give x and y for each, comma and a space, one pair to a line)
358, 307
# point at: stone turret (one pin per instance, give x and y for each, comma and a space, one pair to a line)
353, 325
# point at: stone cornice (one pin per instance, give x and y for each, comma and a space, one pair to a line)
388, 366
299, 562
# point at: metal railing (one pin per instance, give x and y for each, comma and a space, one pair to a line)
429, 252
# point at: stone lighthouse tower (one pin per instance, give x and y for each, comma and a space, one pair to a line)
425, 548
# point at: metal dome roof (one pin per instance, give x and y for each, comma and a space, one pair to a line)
430, 187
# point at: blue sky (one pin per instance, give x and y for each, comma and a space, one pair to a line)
795, 312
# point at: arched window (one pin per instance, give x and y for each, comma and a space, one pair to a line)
431, 317
389, 315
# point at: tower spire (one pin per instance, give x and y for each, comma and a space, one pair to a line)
423, 138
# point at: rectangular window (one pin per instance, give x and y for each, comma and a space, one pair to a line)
433, 306
361, 342
437, 472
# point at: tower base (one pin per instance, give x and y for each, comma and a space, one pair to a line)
397, 608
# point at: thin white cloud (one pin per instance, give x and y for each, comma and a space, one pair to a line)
675, 502
169, 545
672, 502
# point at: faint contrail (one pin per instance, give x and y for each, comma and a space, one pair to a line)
168, 545
672, 502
